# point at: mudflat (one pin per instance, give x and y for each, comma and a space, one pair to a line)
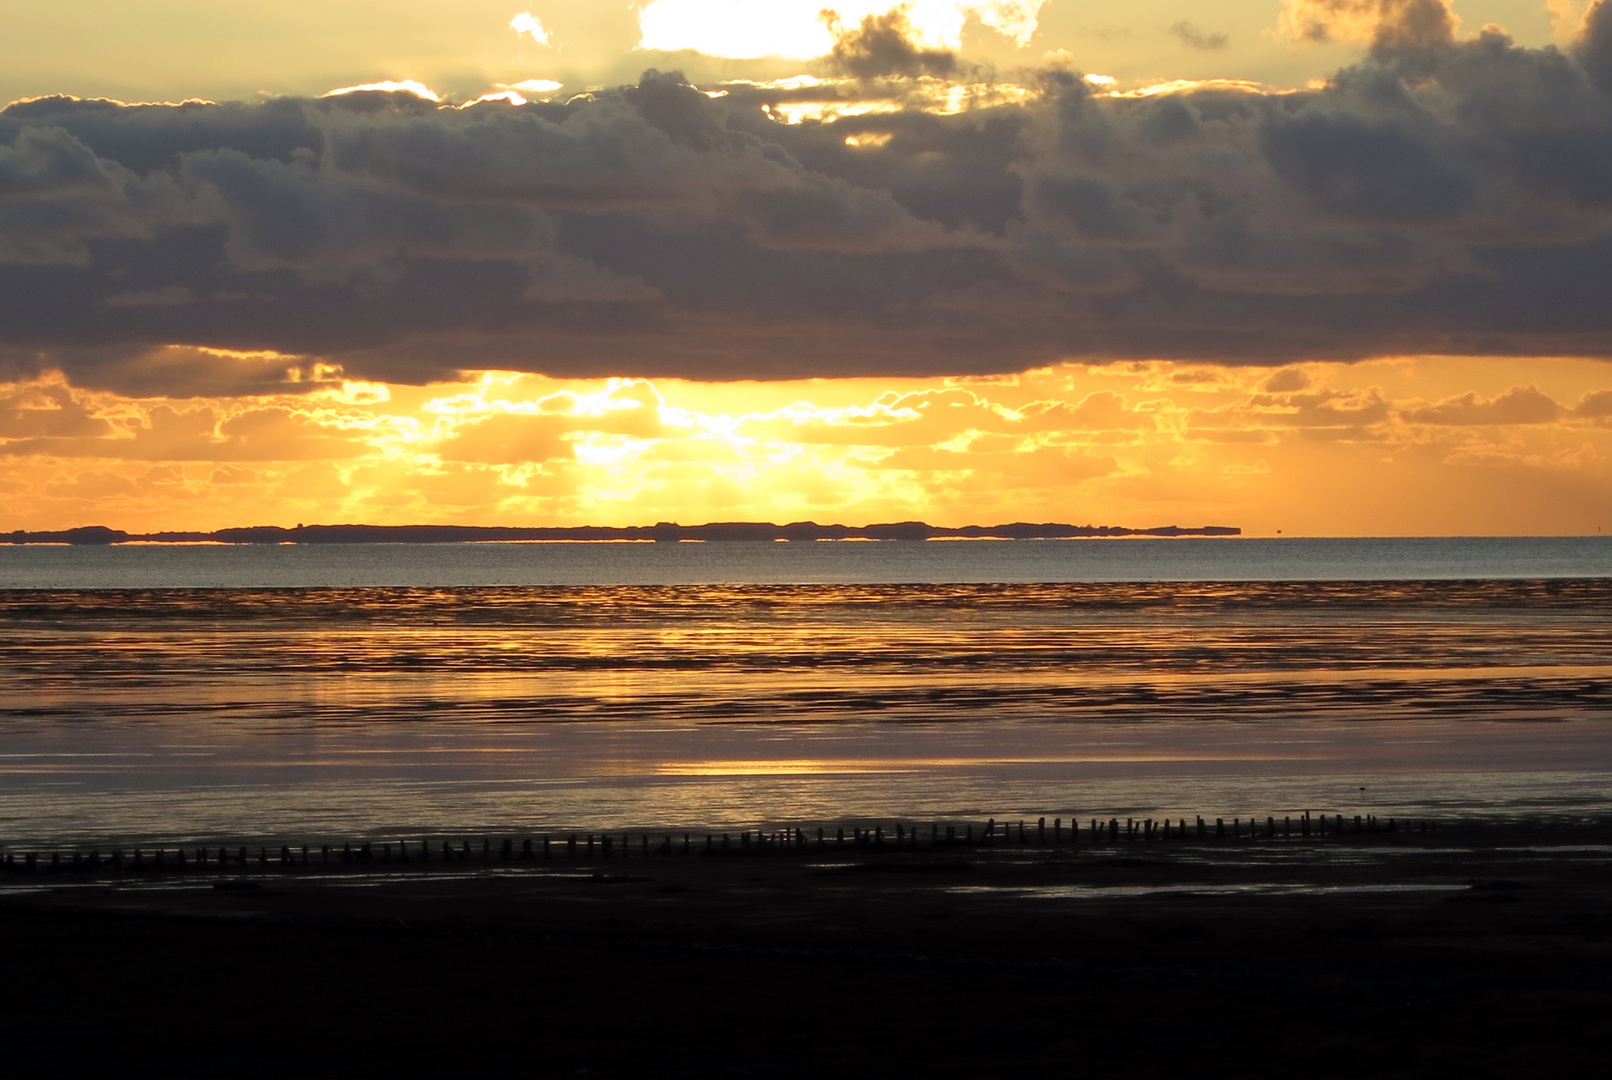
1480, 949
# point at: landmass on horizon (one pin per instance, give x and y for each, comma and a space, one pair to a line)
665, 531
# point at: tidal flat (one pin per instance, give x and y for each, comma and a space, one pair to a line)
1477, 948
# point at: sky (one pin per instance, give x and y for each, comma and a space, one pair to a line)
1328, 267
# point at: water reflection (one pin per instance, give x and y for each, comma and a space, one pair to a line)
251, 713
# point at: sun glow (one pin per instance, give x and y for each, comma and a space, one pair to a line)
527, 25
1135, 443
839, 100
389, 86
800, 29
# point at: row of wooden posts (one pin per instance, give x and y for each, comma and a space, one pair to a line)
590, 846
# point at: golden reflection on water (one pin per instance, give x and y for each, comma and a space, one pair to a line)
848, 766
242, 712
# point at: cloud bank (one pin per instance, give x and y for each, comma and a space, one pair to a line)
1445, 195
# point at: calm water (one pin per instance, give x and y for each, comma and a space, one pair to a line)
210, 693
870, 563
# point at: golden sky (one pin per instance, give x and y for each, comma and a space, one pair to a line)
160, 50
1328, 267
1423, 445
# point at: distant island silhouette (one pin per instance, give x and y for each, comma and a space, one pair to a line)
665, 532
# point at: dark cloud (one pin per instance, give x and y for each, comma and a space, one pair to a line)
146, 137
1444, 196
1364, 168
1519, 405
1194, 37
1388, 23
882, 47
1597, 405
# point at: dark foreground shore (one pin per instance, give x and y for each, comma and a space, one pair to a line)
1476, 950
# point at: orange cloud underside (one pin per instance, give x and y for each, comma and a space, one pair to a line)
1422, 445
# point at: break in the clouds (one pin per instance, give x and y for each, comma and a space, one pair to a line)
803, 29
1382, 447
895, 214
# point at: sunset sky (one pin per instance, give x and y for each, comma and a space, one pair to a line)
1329, 267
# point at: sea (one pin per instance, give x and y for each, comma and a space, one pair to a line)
186, 694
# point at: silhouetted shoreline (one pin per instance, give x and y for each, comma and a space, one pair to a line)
664, 532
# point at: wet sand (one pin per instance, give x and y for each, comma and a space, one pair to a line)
1476, 950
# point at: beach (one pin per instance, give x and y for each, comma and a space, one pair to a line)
1478, 949
1263, 827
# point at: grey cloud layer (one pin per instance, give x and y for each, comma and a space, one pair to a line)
1442, 196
